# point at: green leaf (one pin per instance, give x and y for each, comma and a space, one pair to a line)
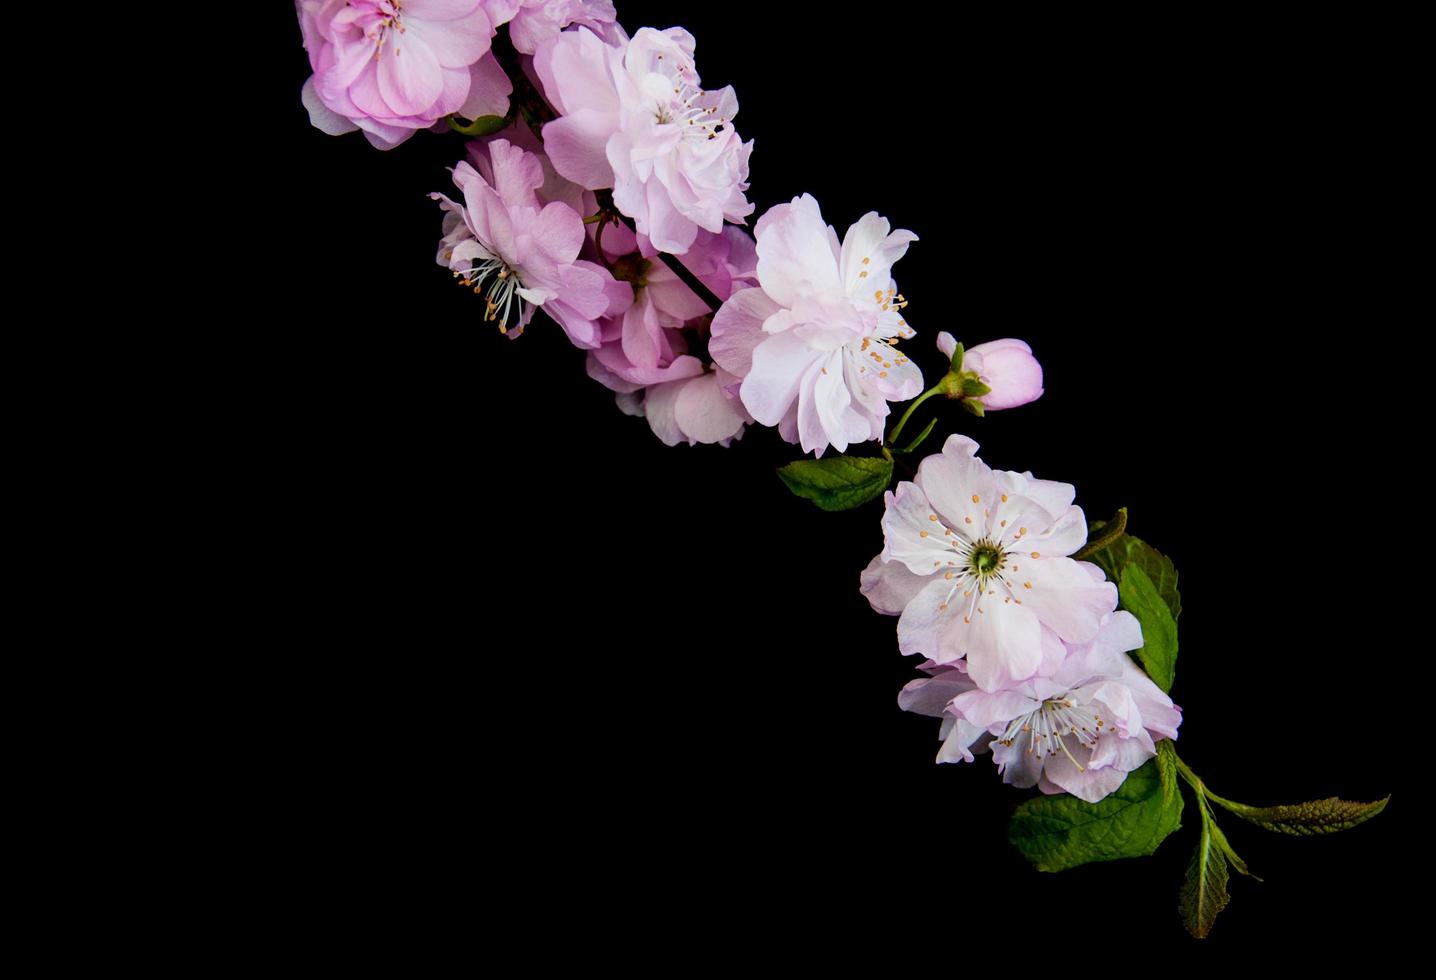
1204, 892
1226, 849
1101, 534
1140, 597
1127, 551
958, 352
482, 126
839, 482
1307, 819
975, 407
1060, 832
1167, 768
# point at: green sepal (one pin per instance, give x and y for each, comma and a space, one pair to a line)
972, 386
482, 126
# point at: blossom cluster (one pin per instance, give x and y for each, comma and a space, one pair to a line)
611, 194
1026, 649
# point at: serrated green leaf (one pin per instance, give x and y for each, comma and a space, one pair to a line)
838, 482
1167, 769
1204, 891
1101, 534
1128, 550
1307, 819
1060, 832
1139, 596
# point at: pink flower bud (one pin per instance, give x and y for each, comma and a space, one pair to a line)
1009, 369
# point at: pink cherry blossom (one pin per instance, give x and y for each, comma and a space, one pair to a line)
532, 22
974, 563
1005, 366
520, 253
640, 348
1081, 729
644, 353
634, 118
694, 410
390, 67
814, 342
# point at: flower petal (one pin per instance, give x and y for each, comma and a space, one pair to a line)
779, 365
960, 486
705, 413
911, 536
794, 252
738, 328
890, 585
410, 78
576, 144
1064, 596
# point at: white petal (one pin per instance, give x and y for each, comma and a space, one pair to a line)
890, 585
911, 536
1064, 596
794, 255
930, 695
869, 240
957, 747
1002, 642
771, 387
952, 479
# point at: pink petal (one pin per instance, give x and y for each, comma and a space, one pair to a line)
668, 229
515, 174
738, 328
321, 117
576, 146
558, 231
795, 252
706, 414
641, 331
574, 69
489, 90
659, 404
890, 585
457, 40
410, 79
771, 386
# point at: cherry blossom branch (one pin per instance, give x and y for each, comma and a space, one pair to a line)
1052, 641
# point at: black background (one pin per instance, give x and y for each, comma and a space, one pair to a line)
615, 689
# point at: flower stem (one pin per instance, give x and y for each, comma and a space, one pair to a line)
1186, 773
897, 430
680, 270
